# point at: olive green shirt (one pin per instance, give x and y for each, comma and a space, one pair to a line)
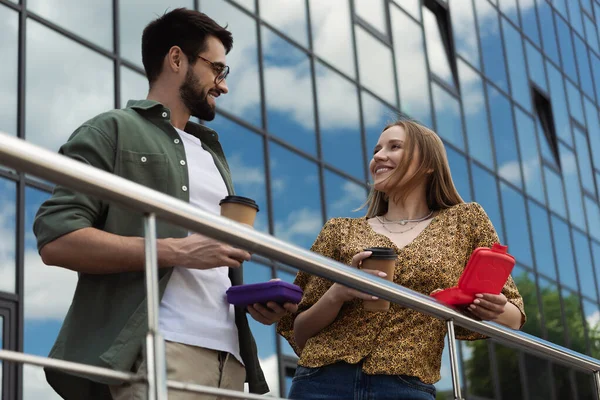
107, 321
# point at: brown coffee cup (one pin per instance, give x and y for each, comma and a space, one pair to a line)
382, 259
240, 209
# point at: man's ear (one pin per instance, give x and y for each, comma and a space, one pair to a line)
175, 58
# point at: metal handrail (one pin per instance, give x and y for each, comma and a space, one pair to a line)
26, 157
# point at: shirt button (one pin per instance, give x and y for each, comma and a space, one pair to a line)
184, 188
164, 114
176, 141
144, 159
182, 162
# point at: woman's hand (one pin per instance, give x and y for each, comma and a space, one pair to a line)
341, 294
488, 307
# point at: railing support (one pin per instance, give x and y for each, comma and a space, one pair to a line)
453, 360
155, 345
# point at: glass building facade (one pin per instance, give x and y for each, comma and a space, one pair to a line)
512, 87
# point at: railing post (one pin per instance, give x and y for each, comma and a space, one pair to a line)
453, 360
597, 383
155, 351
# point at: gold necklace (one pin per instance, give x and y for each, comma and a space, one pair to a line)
384, 225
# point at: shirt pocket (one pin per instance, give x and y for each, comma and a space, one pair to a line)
148, 169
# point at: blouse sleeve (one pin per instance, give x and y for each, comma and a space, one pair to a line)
484, 235
313, 287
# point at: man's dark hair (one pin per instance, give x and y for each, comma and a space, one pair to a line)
181, 27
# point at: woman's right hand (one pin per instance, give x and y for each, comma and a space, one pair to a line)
341, 294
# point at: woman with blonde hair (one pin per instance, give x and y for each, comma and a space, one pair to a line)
348, 352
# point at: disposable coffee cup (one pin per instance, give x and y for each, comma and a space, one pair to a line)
240, 209
382, 259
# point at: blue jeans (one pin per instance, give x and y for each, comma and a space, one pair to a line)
347, 381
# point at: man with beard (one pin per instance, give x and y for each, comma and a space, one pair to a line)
151, 142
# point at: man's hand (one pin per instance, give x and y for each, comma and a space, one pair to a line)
488, 307
200, 252
272, 313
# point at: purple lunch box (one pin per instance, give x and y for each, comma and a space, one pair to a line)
278, 291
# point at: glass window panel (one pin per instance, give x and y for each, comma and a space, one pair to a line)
8, 228
504, 137
525, 281
592, 320
133, 19
410, 6
9, 26
509, 8
507, 360
249, 4
134, 86
245, 156
538, 374
566, 48
444, 385
590, 33
375, 66
376, 115
343, 196
554, 187
542, 242
548, 31
583, 159
559, 103
491, 43
595, 61
243, 99
574, 97
330, 21
547, 153
296, 198
290, 112
89, 19
596, 256
591, 114
517, 231
537, 68
460, 173
436, 50
339, 124
563, 385
572, 187
574, 321
288, 17
465, 31
530, 156
530, 21
593, 217
561, 6
552, 312
587, 6
70, 97
564, 252
575, 16
486, 194
373, 12
478, 370
476, 117
448, 120
583, 64
517, 72
411, 67
585, 267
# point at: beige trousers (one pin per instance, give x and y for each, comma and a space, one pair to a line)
193, 365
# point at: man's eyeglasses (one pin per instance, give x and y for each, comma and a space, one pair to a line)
219, 69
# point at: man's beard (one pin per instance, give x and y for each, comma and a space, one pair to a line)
194, 100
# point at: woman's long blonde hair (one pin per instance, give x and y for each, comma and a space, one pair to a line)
433, 166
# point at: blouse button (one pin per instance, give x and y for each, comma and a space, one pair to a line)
144, 159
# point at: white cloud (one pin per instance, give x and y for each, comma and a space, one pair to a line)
35, 386
7, 245
352, 197
303, 222
511, 171
593, 320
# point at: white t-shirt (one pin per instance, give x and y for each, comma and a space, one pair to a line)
194, 309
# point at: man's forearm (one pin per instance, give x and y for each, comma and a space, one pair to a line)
93, 251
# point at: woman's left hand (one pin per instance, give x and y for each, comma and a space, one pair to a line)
488, 307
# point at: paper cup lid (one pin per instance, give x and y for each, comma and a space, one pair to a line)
382, 253
240, 200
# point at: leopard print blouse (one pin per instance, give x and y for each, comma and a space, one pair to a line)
399, 341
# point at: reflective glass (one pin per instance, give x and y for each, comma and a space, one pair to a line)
491, 43
411, 7
243, 99
464, 31
537, 68
583, 65
411, 67
575, 16
596, 256
507, 361
572, 188
561, 6
551, 307
592, 320
584, 264
547, 153
135, 15
9, 26
448, 120
249, 4
566, 48
460, 173
444, 385
564, 252
583, 159
134, 86
530, 21
330, 22
555, 189
530, 156
507, 156
286, 349
559, 103
372, 11
71, 97
542, 241
287, 16
90, 19
590, 33
341, 143
548, 31
478, 369
375, 66
509, 8
476, 117
295, 196
587, 6
574, 97
376, 116
563, 383
574, 322
517, 72
591, 114
595, 62
343, 197
439, 63
486, 194
290, 112
593, 217
245, 156
8, 229
49, 291
517, 231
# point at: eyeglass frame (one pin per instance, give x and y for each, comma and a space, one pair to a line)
218, 68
